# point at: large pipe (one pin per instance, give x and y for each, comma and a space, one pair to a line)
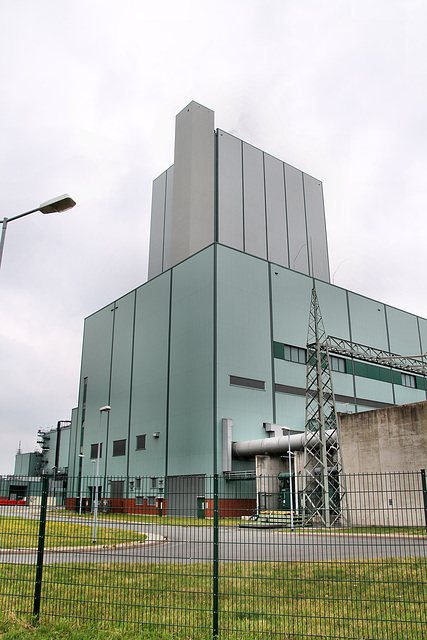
273, 446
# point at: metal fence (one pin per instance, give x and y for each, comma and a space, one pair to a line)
233, 556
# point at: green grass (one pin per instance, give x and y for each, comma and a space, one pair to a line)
183, 521
22, 533
294, 600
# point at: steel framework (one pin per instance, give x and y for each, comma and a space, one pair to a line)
324, 492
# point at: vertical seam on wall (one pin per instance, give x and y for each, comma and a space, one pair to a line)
389, 350
309, 261
131, 383
168, 377
273, 377
243, 199
109, 392
215, 368
286, 216
352, 360
216, 182
265, 209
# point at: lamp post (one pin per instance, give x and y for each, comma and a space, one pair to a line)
290, 476
102, 410
56, 205
81, 483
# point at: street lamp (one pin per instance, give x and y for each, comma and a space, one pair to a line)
102, 410
290, 475
81, 456
56, 205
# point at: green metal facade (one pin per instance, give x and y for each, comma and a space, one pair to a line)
206, 340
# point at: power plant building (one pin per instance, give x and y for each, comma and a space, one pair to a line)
212, 348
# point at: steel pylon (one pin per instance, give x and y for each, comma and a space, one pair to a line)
324, 494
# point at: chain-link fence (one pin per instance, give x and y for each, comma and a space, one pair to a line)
235, 556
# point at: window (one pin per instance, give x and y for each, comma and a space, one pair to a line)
137, 483
295, 354
408, 380
139, 501
94, 451
140, 442
119, 447
153, 483
151, 501
338, 364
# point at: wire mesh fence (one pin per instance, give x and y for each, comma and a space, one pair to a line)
222, 557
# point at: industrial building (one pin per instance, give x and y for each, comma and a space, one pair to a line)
212, 349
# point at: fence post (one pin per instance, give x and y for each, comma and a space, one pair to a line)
40, 550
424, 485
215, 586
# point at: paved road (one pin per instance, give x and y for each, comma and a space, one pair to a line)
166, 543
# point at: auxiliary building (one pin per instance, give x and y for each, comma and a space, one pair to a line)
212, 348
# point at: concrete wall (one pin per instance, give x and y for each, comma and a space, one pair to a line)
392, 441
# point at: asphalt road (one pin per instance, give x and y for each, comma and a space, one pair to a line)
188, 544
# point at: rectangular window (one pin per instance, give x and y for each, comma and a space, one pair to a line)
151, 501
139, 501
140, 442
137, 483
153, 483
94, 451
119, 447
408, 380
247, 382
337, 364
295, 354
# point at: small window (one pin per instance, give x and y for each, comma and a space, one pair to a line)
119, 447
153, 483
94, 451
139, 501
151, 501
137, 483
140, 442
338, 364
409, 381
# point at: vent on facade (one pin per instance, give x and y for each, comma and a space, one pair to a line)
250, 383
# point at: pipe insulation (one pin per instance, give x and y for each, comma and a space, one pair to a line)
275, 446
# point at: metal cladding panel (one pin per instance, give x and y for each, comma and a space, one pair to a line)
155, 261
167, 239
121, 370
290, 411
405, 395
254, 201
291, 293
422, 323
297, 231
193, 182
230, 191
368, 322
191, 380
277, 226
333, 304
316, 227
150, 373
403, 332
244, 342
96, 367
377, 390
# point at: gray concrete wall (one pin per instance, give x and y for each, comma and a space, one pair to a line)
390, 441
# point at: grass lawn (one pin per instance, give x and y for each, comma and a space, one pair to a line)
381, 599
22, 533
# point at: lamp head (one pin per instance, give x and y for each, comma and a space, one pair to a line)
58, 204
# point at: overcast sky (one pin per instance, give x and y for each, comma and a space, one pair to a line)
89, 94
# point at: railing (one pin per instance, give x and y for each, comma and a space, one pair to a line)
185, 554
